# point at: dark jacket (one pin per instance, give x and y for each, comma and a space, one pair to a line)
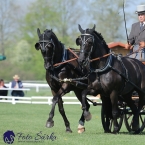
19, 84
4, 92
15, 92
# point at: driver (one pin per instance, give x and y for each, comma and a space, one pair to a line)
137, 35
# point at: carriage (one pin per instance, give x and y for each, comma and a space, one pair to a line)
128, 106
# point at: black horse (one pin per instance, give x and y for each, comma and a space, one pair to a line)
111, 76
54, 52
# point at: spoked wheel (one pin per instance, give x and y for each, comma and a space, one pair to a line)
109, 122
128, 119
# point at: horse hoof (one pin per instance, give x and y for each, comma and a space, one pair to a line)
68, 131
87, 116
49, 124
107, 131
135, 127
137, 131
115, 132
81, 130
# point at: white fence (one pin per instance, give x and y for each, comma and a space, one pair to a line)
43, 100
31, 85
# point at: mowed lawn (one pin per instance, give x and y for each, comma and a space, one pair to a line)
27, 121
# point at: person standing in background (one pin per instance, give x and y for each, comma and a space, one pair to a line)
3, 92
16, 84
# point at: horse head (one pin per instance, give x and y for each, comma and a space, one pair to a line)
91, 45
47, 46
85, 40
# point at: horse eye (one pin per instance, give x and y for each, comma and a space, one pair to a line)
90, 43
80, 41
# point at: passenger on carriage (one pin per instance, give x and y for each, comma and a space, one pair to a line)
137, 35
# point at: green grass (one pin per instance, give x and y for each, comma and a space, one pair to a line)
43, 92
30, 119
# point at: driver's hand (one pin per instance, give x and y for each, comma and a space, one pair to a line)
128, 46
142, 44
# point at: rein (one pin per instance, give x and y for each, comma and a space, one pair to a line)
100, 57
68, 60
133, 52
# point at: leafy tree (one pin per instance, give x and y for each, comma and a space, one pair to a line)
108, 17
46, 14
22, 52
8, 16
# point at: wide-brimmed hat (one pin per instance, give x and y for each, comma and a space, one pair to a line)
140, 9
16, 77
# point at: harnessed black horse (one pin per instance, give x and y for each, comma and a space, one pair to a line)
54, 52
112, 76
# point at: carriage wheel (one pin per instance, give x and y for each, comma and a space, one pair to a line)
128, 116
111, 126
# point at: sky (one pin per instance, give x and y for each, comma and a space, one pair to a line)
131, 9
132, 5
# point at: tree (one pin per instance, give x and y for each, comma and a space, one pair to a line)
8, 16
59, 15
108, 17
22, 52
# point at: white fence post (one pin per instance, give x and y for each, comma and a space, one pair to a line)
49, 101
13, 100
37, 88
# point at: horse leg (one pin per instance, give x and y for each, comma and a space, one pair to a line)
62, 112
50, 122
86, 113
115, 112
81, 127
133, 107
59, 94
107, 108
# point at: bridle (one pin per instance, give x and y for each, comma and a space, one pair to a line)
44, 48
84, 41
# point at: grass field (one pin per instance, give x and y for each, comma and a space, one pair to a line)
43, 92
30, 120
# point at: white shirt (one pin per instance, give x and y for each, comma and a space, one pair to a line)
143, 24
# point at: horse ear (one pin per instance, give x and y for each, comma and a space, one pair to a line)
80, 28
38, 32
78, 41
94, 27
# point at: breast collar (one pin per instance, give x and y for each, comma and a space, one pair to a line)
107, 65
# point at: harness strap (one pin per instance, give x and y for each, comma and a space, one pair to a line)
126, 71
65, 61
126, 79
108, 64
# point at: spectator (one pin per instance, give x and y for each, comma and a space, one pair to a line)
16, 84
3, 92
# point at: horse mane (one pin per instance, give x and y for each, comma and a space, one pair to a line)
48, 31
99, 35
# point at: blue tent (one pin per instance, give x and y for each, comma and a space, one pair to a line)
2, 57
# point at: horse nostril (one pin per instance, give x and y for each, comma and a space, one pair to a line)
47, 66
